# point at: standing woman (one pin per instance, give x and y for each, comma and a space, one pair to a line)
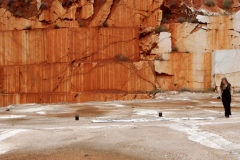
225, 91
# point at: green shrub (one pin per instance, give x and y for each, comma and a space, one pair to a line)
164, 20
174, 48
161, 29
17, 14
227, 4
10, 2
181, 19
105, 24
56, 26
28, 28
209, 3
166, 17
120, 57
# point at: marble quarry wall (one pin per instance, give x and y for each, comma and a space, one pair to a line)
58, 65
225, 63
97, 50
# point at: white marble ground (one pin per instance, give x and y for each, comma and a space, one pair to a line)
191, 121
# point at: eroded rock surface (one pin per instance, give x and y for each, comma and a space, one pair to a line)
57, 50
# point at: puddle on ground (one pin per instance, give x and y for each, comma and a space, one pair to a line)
82, 112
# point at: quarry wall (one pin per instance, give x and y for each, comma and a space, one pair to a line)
99, 50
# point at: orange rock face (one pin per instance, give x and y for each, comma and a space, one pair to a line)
92, 50
84, 13
63, 63
133, 13
68, 45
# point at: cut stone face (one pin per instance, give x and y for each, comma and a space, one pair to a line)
184, 70
225, 63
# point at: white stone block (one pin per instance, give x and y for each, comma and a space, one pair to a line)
226, 63
236, 21
164, 42
203, 19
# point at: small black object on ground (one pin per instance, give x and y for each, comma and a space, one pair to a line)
76, 117
160, 114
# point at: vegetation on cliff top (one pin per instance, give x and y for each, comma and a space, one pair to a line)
209, 3
227, 4
160, 28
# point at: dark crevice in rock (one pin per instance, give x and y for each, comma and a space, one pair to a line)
67, 19
144, 34
45, 22
68, 3
148, 52
163, 74
113, 7
178, 13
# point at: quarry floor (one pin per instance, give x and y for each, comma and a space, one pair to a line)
193, 126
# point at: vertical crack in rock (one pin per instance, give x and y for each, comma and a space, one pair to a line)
134, 70
112, 9
102, 10
148, 42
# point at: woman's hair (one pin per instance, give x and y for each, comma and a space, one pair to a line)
222, 85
